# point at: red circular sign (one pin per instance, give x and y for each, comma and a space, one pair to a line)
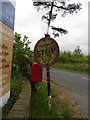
46, 51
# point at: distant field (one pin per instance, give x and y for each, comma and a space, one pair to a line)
79, 67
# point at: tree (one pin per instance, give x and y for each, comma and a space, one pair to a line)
78, 51
54, 8
22, 58
20, 48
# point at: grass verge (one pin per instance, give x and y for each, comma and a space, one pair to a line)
64, 109
72, 67
39, 105
16, 86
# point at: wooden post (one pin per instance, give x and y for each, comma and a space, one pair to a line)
48, 87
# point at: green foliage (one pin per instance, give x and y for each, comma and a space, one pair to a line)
67, 111
75, 61
20, 48
77, 51
72, 67
75, 57
39, 104
16, 86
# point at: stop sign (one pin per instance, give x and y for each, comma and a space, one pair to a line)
46, 51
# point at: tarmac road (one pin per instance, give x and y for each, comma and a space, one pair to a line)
75, 83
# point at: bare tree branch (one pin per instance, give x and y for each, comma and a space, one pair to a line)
57, 31
58, 6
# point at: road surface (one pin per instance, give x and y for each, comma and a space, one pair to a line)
76, 83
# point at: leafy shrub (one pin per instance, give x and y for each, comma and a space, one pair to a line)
20, 48
75, 57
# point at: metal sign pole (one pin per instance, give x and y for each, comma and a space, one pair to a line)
48, 87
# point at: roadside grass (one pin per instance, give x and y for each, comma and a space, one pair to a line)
72, 67
39, 105
16, 86
66, 110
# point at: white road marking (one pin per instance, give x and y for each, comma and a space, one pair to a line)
85, 78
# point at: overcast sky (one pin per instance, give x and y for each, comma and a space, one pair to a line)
28, 22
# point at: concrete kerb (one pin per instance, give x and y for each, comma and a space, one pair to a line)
21, 109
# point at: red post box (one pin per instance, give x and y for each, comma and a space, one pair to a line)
36, 72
